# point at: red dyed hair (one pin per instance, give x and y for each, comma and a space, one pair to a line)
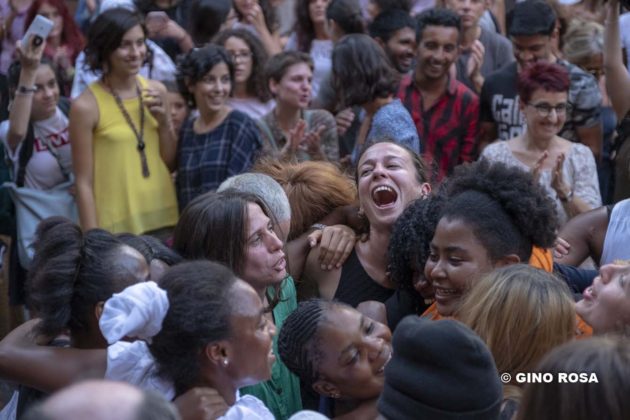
71, 36
550, 77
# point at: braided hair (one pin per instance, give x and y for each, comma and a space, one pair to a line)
299, 344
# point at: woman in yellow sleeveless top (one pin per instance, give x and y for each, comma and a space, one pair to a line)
121, 133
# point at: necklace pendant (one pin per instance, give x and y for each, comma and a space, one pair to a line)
145, 164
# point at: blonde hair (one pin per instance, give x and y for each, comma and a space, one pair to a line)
583, 40
314, 189
521, 313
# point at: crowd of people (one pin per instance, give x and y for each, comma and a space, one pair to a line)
312, 209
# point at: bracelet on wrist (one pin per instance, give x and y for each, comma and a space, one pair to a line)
25, 89
318, 226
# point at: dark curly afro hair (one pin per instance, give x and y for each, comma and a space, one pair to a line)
508, 210
410, 239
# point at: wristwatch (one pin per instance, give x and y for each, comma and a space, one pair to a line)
25, 89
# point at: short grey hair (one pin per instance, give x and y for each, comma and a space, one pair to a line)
264, 187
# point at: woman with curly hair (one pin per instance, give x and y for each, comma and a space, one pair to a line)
408, 252
219, 141
310, 35
494, 215
250, 94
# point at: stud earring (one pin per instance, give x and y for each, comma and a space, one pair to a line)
225, 362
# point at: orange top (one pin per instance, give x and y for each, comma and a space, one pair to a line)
541, 258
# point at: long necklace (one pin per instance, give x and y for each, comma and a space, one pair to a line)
139, 134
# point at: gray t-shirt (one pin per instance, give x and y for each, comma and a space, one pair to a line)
43, 171
498, 53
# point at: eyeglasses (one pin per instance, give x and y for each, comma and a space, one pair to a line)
241, 55
544, 110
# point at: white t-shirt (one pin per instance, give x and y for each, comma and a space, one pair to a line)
43, 171
252, 107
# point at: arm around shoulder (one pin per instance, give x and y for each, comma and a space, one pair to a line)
46, 368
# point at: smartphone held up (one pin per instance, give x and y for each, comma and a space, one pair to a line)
39, 29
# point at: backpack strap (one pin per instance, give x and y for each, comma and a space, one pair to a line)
64, 105
25, 155
26, 152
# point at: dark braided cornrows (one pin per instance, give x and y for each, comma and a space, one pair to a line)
298, 344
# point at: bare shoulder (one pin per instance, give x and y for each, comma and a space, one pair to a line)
85, 108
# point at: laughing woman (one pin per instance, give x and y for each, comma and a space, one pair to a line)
220, 142
389, 177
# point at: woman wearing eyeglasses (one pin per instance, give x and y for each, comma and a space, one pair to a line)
250, 93
567, 170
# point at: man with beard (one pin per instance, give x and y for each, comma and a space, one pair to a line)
395, 31
444, 110
531, 29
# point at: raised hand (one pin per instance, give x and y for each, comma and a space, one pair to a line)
557, 179
538, 166
30, 55
344, 120
156, 102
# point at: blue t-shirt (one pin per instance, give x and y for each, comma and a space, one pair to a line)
391, 121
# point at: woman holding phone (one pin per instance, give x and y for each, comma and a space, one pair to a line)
35, 138
122, 135
64, 42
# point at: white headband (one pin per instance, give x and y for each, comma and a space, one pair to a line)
137, 311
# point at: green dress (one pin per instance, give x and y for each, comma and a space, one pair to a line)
281, 393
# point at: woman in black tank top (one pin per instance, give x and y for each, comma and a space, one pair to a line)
389, 176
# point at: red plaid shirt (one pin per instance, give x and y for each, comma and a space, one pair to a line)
448, 130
